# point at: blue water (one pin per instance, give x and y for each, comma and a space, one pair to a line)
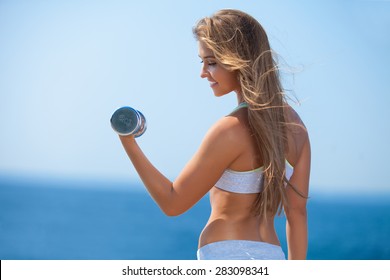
47, 219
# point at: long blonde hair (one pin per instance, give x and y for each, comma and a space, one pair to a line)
240, 43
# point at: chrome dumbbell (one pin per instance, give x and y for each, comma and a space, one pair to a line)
128, 121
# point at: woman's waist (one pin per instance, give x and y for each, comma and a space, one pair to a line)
235, 228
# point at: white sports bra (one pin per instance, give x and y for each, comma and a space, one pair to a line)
246, 181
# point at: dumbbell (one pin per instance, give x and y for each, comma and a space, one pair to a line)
128, 121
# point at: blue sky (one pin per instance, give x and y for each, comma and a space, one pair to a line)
65, 66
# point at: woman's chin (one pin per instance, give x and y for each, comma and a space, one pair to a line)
219, 94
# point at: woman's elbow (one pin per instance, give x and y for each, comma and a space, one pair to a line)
172, 211
175, 205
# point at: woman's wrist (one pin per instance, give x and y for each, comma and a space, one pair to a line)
127, 138
129, 143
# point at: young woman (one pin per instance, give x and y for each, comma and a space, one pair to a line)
255, 162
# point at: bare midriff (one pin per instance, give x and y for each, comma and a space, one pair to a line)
232, 218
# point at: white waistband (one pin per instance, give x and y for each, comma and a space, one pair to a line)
240, 250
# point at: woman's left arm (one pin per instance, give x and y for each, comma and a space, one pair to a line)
296, 213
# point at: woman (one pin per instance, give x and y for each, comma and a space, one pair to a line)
254, 161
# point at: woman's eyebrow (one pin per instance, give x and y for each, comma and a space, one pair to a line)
208, 56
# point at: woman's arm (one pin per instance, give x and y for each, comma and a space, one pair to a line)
296, 214
219, 148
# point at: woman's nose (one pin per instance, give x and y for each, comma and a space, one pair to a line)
203, 72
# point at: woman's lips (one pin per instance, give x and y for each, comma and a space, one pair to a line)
212, 84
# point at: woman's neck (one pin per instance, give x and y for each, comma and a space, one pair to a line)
240, 98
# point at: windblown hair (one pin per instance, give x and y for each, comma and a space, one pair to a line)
240, 44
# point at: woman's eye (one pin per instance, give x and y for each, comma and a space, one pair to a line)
209, 63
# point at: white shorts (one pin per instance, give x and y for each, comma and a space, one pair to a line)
240, 250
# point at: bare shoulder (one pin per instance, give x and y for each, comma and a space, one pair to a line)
297, 134
294, 119
219, 148
229, 129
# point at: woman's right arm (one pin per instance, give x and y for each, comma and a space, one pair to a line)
161, 186
220, 147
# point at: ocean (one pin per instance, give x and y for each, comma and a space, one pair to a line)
42, 219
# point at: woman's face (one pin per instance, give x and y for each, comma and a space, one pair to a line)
222, 81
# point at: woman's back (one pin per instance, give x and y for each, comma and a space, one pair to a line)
232, 216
